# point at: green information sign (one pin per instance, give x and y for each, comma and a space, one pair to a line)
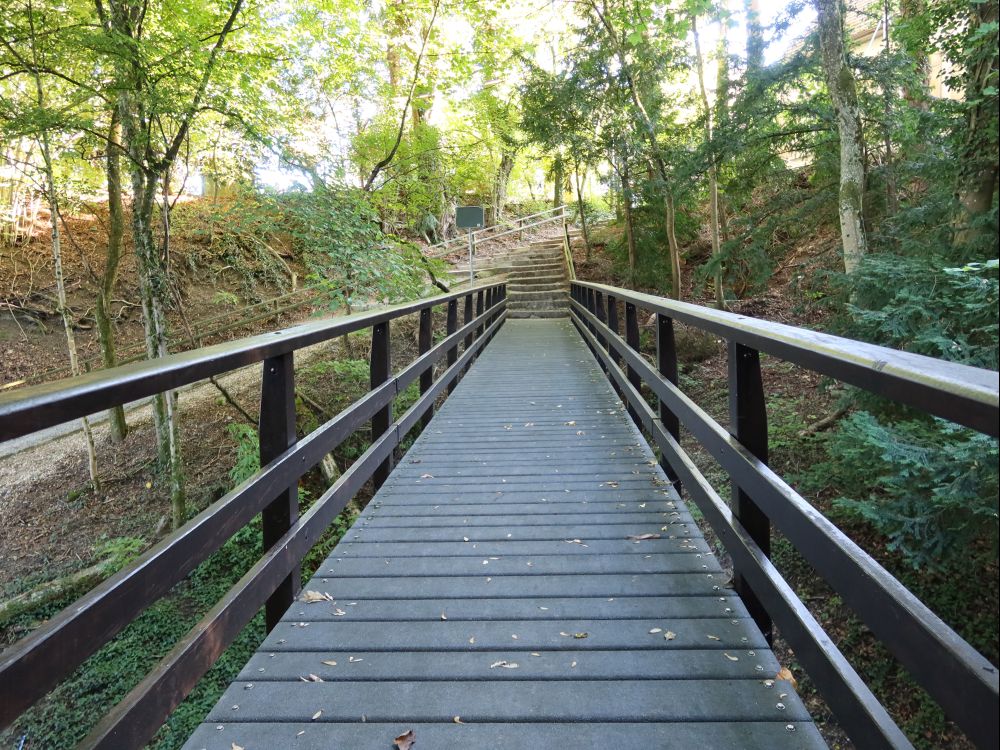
469, 217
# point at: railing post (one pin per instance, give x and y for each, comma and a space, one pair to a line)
381, 371
748, 424
467, 318
601, 316
479, 312
666, 363
452, 327
592, 308
613, 321
424, 342
277, 434
632, 339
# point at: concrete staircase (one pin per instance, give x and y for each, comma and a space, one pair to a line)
537, 283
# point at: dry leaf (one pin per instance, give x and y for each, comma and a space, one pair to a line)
330, 662
317, 715
504, 665
670, 635
405, 740
571, 423
642, 537
579, 635
236, 747
786, 674
730, 656
656, 630
314, 597
426, 476
457, 719
713, 637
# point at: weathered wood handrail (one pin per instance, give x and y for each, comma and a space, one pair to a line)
34, 665
961, 680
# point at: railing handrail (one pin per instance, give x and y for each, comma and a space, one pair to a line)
955, 675
568, 252
37, 407
960, 393
35, 664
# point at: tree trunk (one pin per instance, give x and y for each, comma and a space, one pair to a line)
843, 92
977, 180
675, 252
629, 226
582, 208
500, 183
53, 199
755, 38
102, 310
713, 180
557, 180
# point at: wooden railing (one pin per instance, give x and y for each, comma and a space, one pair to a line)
961, 680
36, 664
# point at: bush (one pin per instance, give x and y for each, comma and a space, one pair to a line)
929, 486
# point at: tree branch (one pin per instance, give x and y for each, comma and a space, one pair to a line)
409, 98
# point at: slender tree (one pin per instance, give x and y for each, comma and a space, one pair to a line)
843, 92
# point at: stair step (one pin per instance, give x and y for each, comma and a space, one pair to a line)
523, 314
522, 294
533, 280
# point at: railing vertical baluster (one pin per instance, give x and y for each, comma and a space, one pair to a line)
424, 342
592, 307
381, 371
479, 313
613, 320
632, 339
601, 316
467, 318
452, 327
748, 424
277, 434
666, 363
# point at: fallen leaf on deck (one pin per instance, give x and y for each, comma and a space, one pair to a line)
786, 674
405, 740
317, 715
314, 597
713, 637
426, 476
670, 635
642, 537
580, 635
311, 678
236, 747
656, 630
730, 656
571, 423
504, 665
338, 612
330, 662
457, 720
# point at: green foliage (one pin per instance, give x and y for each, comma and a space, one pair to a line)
247, 452
350, 260
921, 305
929, 486
118, 552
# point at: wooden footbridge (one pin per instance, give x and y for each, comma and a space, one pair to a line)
529, 573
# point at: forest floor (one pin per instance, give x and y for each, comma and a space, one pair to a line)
803, 409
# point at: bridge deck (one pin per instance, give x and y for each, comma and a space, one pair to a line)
490, 595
